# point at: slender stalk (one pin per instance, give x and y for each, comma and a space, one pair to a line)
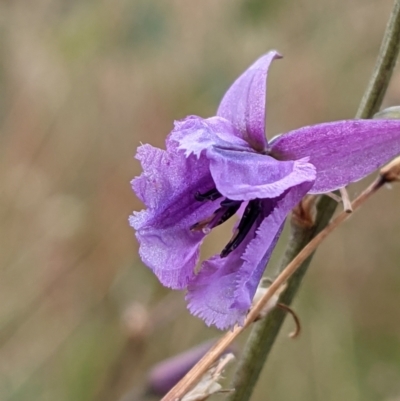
387, 57
264, 333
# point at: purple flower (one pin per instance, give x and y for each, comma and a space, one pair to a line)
220, 166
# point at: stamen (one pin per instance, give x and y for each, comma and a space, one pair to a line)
210, 195
229, 202
226, 211
248, 219
202, 225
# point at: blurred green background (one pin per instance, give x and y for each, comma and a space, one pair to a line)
82, 83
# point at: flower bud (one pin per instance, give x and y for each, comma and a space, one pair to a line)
390, 113
163, 376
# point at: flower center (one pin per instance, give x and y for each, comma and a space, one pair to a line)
227, 209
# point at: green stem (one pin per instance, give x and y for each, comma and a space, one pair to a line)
387, 57
264, 333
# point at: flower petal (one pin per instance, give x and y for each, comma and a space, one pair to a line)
244, 102
167, 187
245, 175
195, 134
342, 151
211, 293
222, 292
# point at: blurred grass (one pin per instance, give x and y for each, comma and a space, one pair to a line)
81, 85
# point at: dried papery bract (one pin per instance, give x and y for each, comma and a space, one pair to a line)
271, 304
165, 374
209, 382
303, 215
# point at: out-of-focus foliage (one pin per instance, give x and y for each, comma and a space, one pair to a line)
82, 83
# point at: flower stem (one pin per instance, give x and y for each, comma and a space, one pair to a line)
387, 57
264, 333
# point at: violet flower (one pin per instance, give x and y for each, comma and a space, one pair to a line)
220, 166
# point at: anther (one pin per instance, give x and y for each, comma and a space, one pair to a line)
202, 225
210, 195
226, 211
248, 219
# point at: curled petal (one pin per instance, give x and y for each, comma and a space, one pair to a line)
245, 175
342, 151
211, 293
222, 292
195, 134
167, 187
244, 102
